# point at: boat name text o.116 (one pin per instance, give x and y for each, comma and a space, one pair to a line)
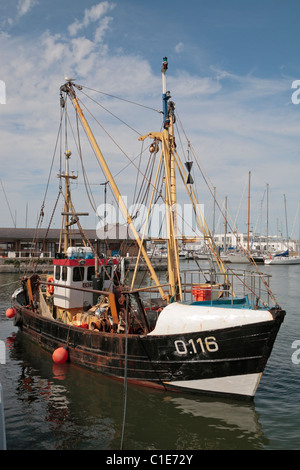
200, 345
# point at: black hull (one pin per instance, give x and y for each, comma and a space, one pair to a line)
176, 361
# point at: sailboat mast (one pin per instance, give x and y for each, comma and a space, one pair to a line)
267, 218
286, 223
225, 226
248, 224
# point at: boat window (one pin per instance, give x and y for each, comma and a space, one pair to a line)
78, 273
107, 272
57, 273
90, 272
64, 273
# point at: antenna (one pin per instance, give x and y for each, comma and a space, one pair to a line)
166, 94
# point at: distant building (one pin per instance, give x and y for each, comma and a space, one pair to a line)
116, 239
29, 242
26, 242
256, 242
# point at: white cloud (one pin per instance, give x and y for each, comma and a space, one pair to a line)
235, 122
179, 47
91, 15
24, 6
102, 28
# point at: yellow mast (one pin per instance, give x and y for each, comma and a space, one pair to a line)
170, 184
68, 87
171, 213
168, 150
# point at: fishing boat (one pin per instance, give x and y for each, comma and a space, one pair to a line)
193, 333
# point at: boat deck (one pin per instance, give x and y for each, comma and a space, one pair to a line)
230, 302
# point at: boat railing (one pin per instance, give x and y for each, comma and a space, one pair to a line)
209, 287
240, 288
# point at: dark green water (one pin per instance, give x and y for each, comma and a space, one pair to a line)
50, 407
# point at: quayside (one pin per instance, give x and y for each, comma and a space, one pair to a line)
208, 331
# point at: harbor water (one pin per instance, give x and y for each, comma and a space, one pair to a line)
65, 407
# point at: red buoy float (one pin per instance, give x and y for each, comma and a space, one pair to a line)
10, 312
50, 289
60, 355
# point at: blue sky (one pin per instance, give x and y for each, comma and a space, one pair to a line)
231, 69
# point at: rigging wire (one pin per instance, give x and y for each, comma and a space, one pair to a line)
107, 133
112, 114
123, 99
41, 214
234, 229
206, 179
241, 200
131, 161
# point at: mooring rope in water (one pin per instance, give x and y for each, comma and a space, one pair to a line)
10, 283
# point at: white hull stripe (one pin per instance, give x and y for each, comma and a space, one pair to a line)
234, 385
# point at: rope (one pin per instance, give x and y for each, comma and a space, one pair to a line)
47, 231
112, 114
10, 283
233, 230
123, 99
131, 161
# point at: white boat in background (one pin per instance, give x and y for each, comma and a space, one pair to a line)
286, 257
283, 258
236, 258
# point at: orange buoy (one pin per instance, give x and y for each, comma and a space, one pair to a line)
10, 312
60, 355
50, 289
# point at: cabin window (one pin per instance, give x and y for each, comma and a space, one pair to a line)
107, 271
57, 273
64, 273
78, 273
90, 273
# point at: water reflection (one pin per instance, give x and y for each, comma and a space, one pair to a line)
67, 407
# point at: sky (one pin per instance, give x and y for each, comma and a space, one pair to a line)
232, 68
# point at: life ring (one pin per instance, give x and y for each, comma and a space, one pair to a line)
50, 289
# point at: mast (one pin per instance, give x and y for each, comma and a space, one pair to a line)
225, 226
170, 184
172, 160
248, 224
214, 213
267, 217
166, 137
286, 223
69, 89
67, 205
